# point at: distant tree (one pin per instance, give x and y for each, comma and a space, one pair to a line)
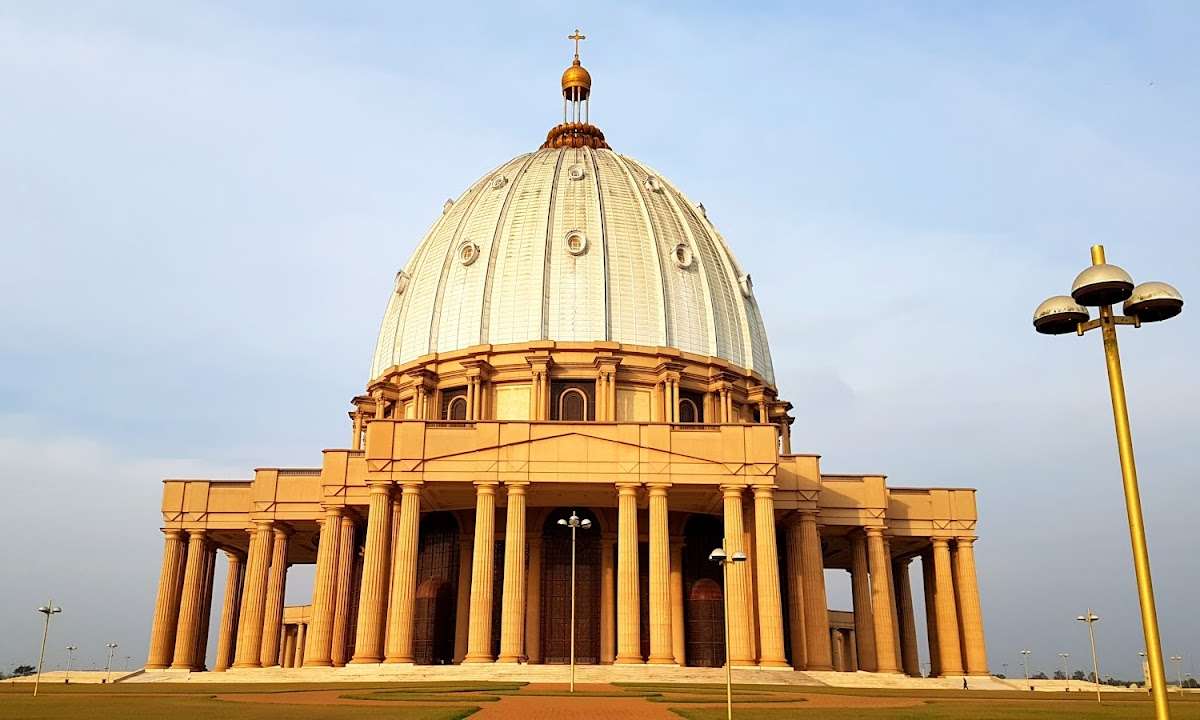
1078, 675
23, 670
1191, 683
1002, 676
1060, 675
1039, 676
1091, 677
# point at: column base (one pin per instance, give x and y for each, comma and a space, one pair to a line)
157, 666
241, 665
399, 661
629, 661
317, 663
662, 661
478, 659
775, 664
362, 660
508, 659
979, 673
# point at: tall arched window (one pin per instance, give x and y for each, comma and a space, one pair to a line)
688, 412
457, 408
572, 405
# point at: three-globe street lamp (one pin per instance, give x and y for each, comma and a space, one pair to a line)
1025, 661
70, 656
719, 556
1091, 619
48, 609
108, 666
1066, 670
1103, 285
575, 523
1178, 670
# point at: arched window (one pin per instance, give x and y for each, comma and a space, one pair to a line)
572, 405
457, 409
688, 412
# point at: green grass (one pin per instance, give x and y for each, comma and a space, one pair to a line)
957, 710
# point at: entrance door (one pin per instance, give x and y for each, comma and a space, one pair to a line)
556, 591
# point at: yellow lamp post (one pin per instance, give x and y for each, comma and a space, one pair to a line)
1103, 285
719, 556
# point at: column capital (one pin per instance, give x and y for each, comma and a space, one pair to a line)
176, 533
902, 560
411, 488
281, 529
380, 487
627, 488
197, 533
485, 487
764, 491
966, 540
730, 491
233, 554
516, 488
264, 525
658, 489
334, 512
874, 530
939, 541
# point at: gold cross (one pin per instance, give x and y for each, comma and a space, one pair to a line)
577, 37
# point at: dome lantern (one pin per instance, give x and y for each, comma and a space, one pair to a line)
575, 130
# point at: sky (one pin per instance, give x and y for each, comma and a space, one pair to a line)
202, 206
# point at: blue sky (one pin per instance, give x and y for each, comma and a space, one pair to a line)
202, 207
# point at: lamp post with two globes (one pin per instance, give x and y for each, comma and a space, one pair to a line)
1091, 619
1066, 669
1103, 285
719, 556
48, 609
575, 523
70, 656
112, 646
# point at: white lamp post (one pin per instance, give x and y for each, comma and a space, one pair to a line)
1066, 669
108, 666
575, 523
70, 656
719, 556
1178, 660
1091, 619
48, 609
1025, 661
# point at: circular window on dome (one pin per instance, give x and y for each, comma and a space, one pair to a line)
468, 252
576, 172
401, 282
499, 181
746, 284
653, 184
575, 242
683, 256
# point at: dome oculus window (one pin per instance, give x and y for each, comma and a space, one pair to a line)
746, 285
401, 282
575, 242
683, 256
576, 172
468, 252
653, 184
499, 181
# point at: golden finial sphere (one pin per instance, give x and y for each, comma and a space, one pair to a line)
577, 76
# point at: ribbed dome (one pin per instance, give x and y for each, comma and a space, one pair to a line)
573, 244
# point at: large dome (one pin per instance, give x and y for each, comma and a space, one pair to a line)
573, 244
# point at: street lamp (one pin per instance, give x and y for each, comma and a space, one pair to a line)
1066, 669
1025, 661
70, 656
1178, 670
108, 666
719, 556
1091, 619
575, 523
1104, 285
48, 609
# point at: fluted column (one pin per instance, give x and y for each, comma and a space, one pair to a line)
206, 594
881, 603
794, 580
947, 615
254, 598
740, 649
166, 606
891, 583
851, 651
770, 603
661, 651
608, 581
462, 610
402, 605
276, 587
301, 642
909, 658
512, 599
678, 636
837, 644
230, 608
287, 651
629, 642
342, 607
533, 600
928, 584
319, 650
479, 638
372, 595
864, 616
816, 606
975, 651
191, 602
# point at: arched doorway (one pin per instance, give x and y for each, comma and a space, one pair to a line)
703, 608
437, 578
556, 590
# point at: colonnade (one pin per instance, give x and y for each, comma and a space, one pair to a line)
373, 595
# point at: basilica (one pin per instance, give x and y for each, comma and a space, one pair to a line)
573, 336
